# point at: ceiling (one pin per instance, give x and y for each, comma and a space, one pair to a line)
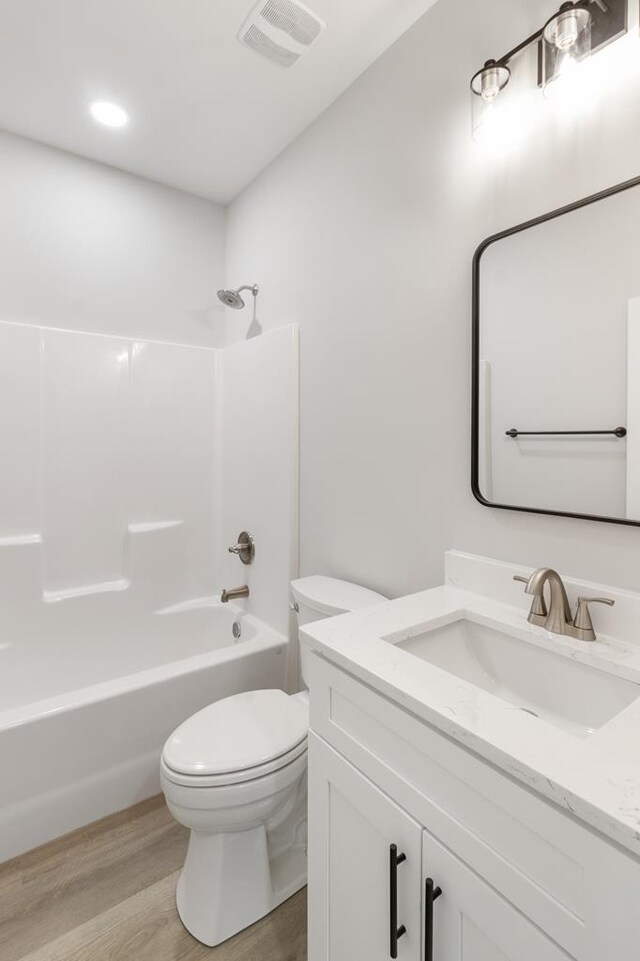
207, 114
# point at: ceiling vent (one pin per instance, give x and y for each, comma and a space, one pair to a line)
280, 30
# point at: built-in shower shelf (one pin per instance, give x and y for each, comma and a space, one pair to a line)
106, 587
130, 567
193, 604
148, 526
20, 540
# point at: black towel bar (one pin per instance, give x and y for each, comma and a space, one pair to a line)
616, 432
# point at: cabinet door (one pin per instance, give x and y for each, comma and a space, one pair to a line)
352, 826
471, 921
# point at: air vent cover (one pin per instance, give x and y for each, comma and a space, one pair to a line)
280, 30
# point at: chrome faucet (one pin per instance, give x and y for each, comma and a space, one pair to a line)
234, 592
558, 618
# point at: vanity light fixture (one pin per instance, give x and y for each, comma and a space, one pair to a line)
566, 41
574, 32
486, 85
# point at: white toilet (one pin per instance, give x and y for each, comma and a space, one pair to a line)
235, 774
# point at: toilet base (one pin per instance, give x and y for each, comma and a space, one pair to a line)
229, 881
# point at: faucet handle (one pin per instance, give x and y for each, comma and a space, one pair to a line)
538, 612
245, 548
582, 621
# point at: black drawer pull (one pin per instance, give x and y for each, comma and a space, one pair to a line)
395, 932
431, 893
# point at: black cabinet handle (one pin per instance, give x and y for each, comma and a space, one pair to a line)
431, 893
395, 932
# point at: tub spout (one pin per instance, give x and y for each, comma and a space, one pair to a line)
233, 592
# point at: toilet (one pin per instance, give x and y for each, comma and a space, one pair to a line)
235, 775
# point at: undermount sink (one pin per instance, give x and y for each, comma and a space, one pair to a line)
554, 687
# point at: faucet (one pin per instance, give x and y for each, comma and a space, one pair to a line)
559, 615
558, 619
234, 592
245, 547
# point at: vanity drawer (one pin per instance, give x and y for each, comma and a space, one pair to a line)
541, 860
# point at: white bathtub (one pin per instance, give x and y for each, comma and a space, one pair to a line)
84, 712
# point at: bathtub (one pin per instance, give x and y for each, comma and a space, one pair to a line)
84, 713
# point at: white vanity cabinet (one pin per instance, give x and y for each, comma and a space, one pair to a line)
521, 879
355, 826
472, 922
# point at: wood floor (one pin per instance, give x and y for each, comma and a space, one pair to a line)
106, 893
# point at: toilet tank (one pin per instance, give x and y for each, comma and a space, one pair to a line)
318, 597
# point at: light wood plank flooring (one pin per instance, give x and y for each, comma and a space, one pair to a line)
106, 893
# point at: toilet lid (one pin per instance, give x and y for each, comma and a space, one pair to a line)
239, 732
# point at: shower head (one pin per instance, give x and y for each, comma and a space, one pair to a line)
232, 298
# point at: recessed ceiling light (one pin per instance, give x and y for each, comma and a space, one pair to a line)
109, 114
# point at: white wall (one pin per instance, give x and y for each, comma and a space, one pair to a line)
86, 247
363, 230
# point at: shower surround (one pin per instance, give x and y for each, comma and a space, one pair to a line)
129, 466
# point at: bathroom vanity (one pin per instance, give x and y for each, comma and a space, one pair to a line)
455, 748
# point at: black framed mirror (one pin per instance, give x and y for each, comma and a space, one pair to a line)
556, 362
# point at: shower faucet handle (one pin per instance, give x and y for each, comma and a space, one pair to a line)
245, 548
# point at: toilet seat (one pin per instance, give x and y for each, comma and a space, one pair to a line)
234, 777
240, 738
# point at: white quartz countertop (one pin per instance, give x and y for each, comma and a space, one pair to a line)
596, 778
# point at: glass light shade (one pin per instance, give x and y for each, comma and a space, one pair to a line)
486, 85
566, 42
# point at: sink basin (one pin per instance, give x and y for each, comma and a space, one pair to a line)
554, 687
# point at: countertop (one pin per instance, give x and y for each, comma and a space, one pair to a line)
596, 778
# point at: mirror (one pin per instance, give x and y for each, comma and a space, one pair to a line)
556, 362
